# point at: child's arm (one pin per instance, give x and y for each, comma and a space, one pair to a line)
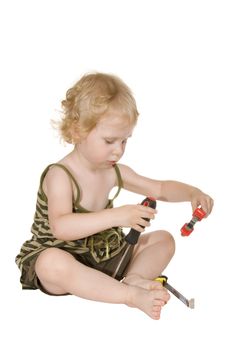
66, 225
171, 191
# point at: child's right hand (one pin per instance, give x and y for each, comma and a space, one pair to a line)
133, 216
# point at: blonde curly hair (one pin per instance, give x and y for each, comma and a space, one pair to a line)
88, 100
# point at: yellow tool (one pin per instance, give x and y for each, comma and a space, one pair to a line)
163, 279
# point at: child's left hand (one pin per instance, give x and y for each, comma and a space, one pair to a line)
199, 198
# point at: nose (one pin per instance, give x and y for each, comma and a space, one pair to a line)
118, 150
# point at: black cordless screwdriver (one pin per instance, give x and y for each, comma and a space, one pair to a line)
132, 239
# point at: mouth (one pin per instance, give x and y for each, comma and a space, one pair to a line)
111, 162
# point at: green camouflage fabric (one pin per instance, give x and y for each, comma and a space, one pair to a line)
99, 247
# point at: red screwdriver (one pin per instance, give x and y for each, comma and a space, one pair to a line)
198, 215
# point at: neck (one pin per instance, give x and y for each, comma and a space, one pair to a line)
80, 160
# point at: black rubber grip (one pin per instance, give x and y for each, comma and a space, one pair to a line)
133, 236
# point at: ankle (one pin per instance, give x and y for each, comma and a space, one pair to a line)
132, 277
131, 295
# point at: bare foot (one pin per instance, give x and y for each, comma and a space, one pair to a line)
150, 302
135, 280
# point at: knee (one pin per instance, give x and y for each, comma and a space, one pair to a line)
169, 241
51, 264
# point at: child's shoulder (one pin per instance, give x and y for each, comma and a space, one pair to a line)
54, 169
126, 170
55, 175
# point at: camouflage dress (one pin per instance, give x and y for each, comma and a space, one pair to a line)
101, 251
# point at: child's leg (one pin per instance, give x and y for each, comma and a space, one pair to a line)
150, 257
59, 272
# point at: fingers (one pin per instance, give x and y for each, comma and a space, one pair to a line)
205, 201
207, 205
142, 215
143, 222
141, 225
139, 228
146, 212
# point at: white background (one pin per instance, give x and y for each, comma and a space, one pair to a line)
177, 57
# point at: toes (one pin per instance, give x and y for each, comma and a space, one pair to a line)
157, 308
156, 285
156, 313
155, 317
161, 294
167, 297
158, 302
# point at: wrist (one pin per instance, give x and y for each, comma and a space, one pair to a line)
194, 192
112, 217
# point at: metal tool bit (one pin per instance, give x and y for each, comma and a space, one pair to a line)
163, 279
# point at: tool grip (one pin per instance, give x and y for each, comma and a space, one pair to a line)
133, 236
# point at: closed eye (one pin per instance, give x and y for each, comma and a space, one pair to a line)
109, 142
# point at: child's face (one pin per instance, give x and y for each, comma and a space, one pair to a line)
106, 143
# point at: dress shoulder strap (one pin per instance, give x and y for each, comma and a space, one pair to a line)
119, 180
68, 173
76, 201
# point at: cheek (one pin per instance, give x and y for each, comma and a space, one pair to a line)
100, 151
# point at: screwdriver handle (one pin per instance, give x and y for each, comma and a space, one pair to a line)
162, 279
133, 235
